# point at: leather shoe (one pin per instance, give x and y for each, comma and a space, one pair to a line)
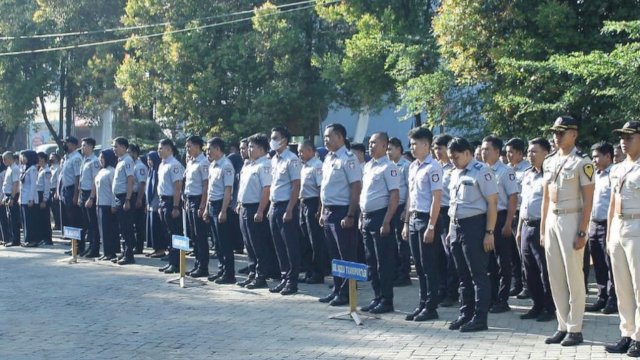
215, 276
457, 323
86, 252
531, 314
410, 316
245, 282
257, 284
244, 270
315, 280
382, 308
31, 245
524, 294
339, 301
188, 272
596, 306
328, 298
620, 347
225, 280
162, 269
546, 315
500, 307
426, 315
474, 325
556, 338
172, 270
289, 290
108, 257
611, 308
371, 305
515, 290
402, 282
157, 255
68, 252
634, 349
279, 287
200, 272
126, 261
572, 339
92, 255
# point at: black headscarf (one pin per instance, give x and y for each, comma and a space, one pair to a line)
152, 181
32, 160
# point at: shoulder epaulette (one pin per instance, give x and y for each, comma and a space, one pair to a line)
349, 153
551, 154
478, 166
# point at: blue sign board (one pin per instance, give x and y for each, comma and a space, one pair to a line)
72, 233
349, 270
180, 242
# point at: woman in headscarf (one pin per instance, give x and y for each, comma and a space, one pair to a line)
155, 238
43, 186
5, 235
29, 197
105, 202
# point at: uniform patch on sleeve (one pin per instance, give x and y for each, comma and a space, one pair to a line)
176, 170
588, 170
394, 173
141, 171
228, 172
435, 177
487, 177
128, 166
512, 177
351, 164
96, 164
266, 169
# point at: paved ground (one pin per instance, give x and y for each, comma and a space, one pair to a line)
92, 310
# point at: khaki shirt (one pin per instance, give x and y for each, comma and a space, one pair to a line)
565, 176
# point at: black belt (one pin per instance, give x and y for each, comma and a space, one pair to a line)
419, 214
166, 198
531, 222
371, 214
280, 203
248, 205
304, 200
194, 197
599, 222
215, 201
335, 207
467, 219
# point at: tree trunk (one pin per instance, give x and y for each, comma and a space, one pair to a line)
63, 80
70, 105
418, 119
43, 108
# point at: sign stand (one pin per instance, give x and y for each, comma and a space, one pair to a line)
75, 234
353, 272
182, 243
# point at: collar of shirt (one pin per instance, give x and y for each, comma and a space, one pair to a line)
89, 158
607, 170
168, 160
497, 165
219, 161
381, 160
282, 154
471, 164
121, 158
197, 159
342, 150
427, 160
264, 157
313, 158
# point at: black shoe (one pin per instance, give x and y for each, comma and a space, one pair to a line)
68, 252
216, 276
257, 284
162, 269
171, 269
382, 308
515, 290
500, 307
108, 257
402, 282
327, 299
572, 339
620, 347
474, 325
448, 302
246, 282
315, 280
192, 270
426, 315
86, 252
244, 270
339, 301
371, 305
126, 261
611, 308
596, 306
556, 338
279, 287
531, 314
92, 255
225, 280
289, 290
524, 294
546, 315
31, 245
412, 315
459, 322
634, 349
200, 272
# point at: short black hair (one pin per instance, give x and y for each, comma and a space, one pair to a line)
359, 147
216, 142
494, 141
397, 143
197, 140
243, 140
442, 140
421, 133
283, 131
603, 148
339, 129
459, 144
134, 148
261, 140
308, 144
383, 135
516, 144
90, 141
542, 142
43, 156
122, 141
171, 144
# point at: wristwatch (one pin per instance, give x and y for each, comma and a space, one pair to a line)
430, 227
581, 234
488, 232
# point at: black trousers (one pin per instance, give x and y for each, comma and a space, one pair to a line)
44, 219
318, 261
55, 210
517, 263
472, 263
107, 226
425, 259
90, 222
125, 223
5, 230
13, 221
449, 281
342, 243
597, 250
221, 234
401, 251
173, 226
72, 212
500, 268
155, 233
258, 242
286, 240
234, 231
139, 223
379, 253
29, 223
535, 267
198, 232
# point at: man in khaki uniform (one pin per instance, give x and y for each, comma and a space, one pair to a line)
623, 240
566, 208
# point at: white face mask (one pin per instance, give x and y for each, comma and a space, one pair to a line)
274, 144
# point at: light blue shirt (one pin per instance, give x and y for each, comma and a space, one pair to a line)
140, 175
507, 183
221, 175
285, 168
447, 171
103, 183
71, 168
520, 168
470, 188
253, 179
379, 177
339, 171
11, 176
531, 206
601, 195
311, 178
28, 187
424, 179
88, 171
169, 172
55, 174
123, 170
44, 182
197, 171
403, 168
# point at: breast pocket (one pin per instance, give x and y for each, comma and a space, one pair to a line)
568, 177
633, 186
469, 191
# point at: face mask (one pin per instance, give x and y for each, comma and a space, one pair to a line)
274, 144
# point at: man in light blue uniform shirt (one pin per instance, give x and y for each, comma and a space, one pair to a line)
69, 187
10, 188
402, 251
88, 172
140, 173
123, 190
